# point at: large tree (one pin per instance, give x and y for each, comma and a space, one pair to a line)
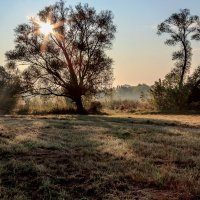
182, 27
64, 51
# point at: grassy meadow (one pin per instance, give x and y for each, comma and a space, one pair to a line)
100, 157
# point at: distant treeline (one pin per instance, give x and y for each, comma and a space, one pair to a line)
128, 92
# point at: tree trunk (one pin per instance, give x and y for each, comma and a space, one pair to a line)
184, 65
79, 106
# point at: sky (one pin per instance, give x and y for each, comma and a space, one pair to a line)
139, 54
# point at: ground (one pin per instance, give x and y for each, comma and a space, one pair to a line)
100, 157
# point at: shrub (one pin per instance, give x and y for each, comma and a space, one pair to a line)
9, 89
168, 95
95, 107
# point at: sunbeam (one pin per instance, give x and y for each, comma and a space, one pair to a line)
47, 29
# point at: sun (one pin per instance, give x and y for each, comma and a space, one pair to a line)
46, 28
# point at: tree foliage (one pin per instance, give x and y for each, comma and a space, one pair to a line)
70, 61
178, 89
182, 27
194, 89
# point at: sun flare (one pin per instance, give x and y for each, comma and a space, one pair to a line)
46, 28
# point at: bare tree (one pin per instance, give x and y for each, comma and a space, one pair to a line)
65, 51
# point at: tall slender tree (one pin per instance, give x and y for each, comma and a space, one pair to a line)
182, 27
173, 92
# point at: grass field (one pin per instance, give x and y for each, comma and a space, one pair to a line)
100, 157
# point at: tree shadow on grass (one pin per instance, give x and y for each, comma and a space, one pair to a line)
86, 164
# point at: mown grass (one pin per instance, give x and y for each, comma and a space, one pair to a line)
99, 157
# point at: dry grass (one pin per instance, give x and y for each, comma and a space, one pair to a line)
100, 157
182, 120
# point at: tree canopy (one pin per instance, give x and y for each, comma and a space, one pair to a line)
68, 58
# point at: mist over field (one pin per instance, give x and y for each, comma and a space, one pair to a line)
127, 92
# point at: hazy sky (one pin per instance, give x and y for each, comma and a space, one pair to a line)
139, 54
